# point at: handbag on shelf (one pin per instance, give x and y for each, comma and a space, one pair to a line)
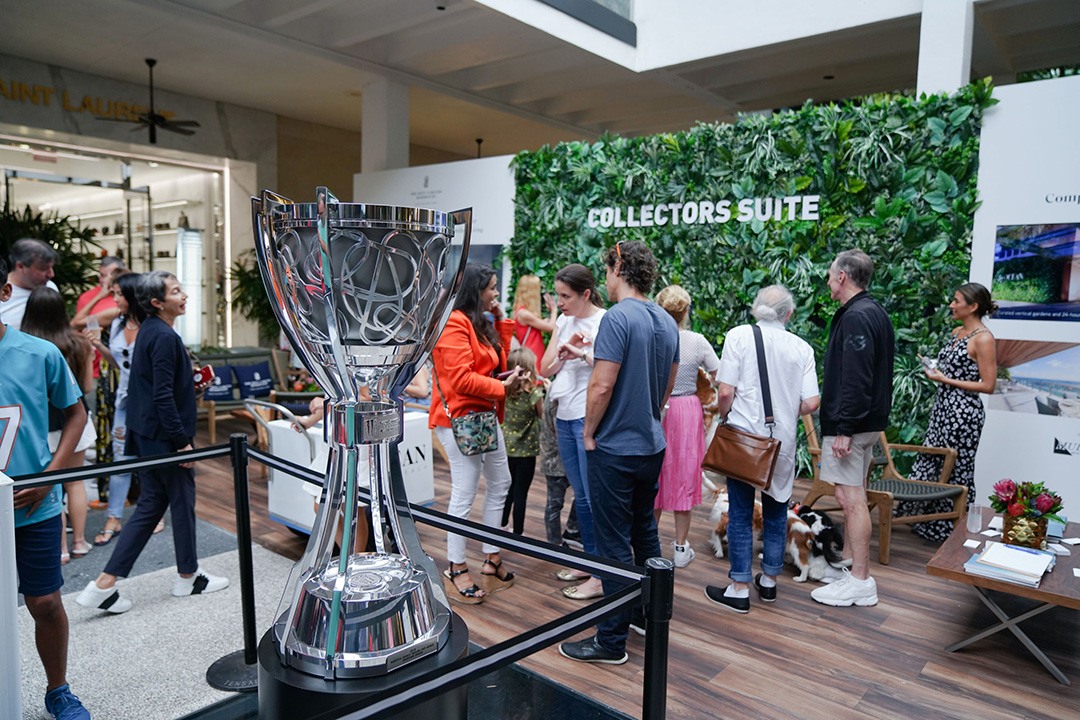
743, 455
474, 433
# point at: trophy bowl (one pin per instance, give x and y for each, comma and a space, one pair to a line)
362, 292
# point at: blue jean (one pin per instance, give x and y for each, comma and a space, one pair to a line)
740, 534
571, 435
119, 483
624, 487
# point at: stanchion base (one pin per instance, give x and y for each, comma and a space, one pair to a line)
288, 694
232, 674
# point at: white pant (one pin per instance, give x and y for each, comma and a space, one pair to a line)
464, 481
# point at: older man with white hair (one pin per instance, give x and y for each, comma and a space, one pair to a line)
794, 390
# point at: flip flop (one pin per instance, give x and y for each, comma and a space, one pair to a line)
574, 593
105, 537
77, 553
65, 558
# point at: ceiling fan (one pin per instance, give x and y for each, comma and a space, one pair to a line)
153, 120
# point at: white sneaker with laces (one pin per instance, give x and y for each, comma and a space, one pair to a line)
683, 554
832, 574
847, 591
199, 584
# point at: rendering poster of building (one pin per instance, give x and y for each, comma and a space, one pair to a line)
1037, 272
1026, 249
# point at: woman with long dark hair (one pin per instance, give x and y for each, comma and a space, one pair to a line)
965, 368
469, 354
581, 308
125, 329
46, 317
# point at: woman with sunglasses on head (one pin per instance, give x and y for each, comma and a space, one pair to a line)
122, 334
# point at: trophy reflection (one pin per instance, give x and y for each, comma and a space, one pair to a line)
362, 292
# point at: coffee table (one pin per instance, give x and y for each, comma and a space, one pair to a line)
1057, 588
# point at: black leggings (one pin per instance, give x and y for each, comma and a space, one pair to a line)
521, 476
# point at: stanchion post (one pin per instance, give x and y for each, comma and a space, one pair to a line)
660, 596
239, 671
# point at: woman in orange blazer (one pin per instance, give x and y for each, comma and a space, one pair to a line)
469, 354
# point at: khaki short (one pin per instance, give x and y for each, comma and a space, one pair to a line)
852, 469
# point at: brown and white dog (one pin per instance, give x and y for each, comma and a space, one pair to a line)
798, 547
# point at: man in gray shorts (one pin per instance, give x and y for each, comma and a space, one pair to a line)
855, 404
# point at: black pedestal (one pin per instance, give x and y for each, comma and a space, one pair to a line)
287, 694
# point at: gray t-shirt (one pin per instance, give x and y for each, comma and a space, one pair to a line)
645, 341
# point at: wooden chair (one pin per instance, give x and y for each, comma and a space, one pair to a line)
891, 487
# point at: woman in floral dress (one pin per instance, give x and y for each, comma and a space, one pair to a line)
965, 367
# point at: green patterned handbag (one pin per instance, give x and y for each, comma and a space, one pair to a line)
475, 433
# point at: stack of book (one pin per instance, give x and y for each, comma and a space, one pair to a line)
1010, 563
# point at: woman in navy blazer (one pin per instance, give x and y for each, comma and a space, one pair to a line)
161, 421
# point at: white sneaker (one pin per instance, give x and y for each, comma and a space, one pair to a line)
107, 599
683, 554
199, 584
832, 574
847, 591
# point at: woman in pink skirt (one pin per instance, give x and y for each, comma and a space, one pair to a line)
680, 477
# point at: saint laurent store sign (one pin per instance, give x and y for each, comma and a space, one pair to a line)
46, 96
702, 212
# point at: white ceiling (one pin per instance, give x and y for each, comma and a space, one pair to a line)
477, 73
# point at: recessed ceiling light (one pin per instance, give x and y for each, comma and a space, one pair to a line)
828, 77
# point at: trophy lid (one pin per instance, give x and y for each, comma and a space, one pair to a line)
364, 215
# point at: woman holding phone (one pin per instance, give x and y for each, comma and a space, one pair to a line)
470, 376
965, 368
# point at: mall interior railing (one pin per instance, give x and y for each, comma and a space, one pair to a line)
653, 588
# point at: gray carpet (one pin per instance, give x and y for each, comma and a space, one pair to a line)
150, 663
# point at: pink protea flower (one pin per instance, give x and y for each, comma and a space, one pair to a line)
1005, 490
1016, 509
1044, 502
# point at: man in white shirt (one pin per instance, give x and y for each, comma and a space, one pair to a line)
32, 266
793, 389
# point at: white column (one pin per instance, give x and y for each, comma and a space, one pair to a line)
945, 45
384, 131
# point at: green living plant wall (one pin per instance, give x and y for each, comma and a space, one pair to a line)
895, 177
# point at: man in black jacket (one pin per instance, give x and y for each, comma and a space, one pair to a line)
855, 404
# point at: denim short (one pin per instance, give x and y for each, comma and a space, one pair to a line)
37, 557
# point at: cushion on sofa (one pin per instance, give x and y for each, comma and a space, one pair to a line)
255, 381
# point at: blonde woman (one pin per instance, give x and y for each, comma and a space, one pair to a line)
680, 476
529, 326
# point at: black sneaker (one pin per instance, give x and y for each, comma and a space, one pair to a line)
573, 540
589, 651
767, 594
716, 594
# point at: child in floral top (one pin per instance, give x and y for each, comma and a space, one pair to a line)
521, 430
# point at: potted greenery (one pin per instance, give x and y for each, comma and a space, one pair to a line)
76, 268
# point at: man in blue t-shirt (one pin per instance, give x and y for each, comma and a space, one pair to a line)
635, 356
34, 375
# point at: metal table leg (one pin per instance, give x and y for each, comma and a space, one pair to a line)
1012, 625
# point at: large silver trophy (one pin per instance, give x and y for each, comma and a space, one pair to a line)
362, 292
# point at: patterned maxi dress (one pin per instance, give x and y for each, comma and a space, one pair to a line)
956, 421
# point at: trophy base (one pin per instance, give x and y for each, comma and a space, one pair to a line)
388, 617
288, 694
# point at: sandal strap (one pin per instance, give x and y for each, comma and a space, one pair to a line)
498, 567
456, 573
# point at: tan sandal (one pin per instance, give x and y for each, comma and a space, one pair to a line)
471, 595
495, 581
571, 575
574, 592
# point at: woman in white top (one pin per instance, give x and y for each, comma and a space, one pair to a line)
581, 310
125, 328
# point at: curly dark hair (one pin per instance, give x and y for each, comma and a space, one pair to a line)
475, 278
637, 266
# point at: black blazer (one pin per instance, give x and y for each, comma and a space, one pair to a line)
161, 391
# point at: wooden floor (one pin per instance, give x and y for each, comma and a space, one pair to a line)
793, 659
